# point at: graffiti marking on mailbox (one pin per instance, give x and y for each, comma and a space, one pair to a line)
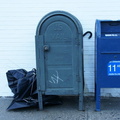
55, 78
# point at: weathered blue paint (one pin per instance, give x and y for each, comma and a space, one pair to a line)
59, 56
107, 56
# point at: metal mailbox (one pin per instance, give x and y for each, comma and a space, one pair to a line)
59, 56
107, 36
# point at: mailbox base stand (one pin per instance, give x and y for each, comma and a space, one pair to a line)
40, 101
81, 103
97, 95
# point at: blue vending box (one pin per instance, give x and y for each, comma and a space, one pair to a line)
107, 56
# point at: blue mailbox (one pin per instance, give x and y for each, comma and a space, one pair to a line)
107, 56
59, 56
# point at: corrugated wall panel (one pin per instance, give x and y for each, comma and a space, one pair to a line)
18, 22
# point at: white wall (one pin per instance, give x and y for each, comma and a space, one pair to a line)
18, 22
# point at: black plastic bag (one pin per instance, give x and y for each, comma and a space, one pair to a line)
13, 76
23, 85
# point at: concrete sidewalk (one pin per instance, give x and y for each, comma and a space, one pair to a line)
110, 110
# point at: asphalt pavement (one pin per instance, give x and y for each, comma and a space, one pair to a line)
110, 110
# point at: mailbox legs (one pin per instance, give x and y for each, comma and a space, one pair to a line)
81, 102
40, 101
97, 95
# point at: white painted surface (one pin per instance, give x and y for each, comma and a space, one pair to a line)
18, 22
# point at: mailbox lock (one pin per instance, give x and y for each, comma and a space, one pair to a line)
46, 47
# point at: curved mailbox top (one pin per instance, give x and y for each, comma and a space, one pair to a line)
60, 13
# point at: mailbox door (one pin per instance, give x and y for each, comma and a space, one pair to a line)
59, 45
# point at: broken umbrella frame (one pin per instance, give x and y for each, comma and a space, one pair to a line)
23, 85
